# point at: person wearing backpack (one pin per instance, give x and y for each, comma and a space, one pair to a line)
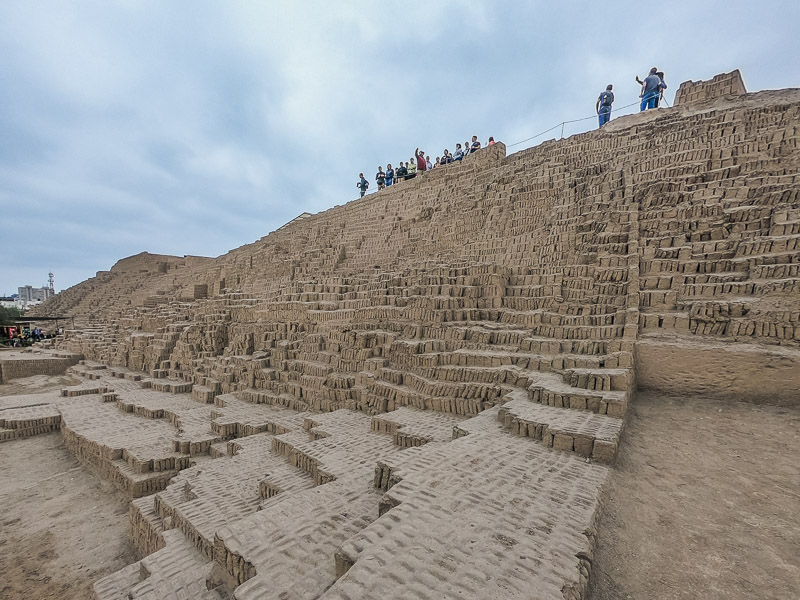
603, 105
362, 184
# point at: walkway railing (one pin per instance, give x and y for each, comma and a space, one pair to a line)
615, 114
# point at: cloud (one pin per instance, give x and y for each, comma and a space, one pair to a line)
193, 128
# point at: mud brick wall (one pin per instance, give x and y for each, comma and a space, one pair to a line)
27, 367
109, 464
680, 222
732, 372
146, 527
501, 308
27, 421
724, 84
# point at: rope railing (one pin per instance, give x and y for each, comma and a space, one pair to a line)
562, 124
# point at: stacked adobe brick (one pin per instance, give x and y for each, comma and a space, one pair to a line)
509, 298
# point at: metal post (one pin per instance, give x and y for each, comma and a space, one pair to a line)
562, 131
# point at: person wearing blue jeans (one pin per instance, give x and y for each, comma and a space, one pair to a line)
603, 105
649, 100
651, 90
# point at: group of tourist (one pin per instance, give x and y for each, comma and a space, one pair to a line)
419, 164
14, 336
652, 93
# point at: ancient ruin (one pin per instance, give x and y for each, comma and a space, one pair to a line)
420, 394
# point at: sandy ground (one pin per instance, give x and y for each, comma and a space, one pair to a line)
61, 528
704, 503
37, 384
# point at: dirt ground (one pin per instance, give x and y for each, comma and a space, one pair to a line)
61, 528
36, 384
704, 503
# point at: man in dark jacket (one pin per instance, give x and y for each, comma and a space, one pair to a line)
401, 173
362, 184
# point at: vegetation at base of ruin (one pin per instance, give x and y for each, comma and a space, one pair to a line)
9, 314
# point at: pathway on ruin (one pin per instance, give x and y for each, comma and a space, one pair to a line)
702, 503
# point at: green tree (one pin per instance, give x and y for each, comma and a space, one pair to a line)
9, 314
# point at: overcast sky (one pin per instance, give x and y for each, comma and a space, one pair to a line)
194, 127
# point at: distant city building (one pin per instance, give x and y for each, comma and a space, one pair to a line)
31, 294
14, 302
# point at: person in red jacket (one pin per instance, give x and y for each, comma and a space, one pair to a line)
422, 164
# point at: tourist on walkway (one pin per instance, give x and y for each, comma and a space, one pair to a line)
459, 153
389, 175
476, 145
401, 172
661, 89
603, 105
380, 177
651, 90
422, 165
428, 162
412, 169
363, 184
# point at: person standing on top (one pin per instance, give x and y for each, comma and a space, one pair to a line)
422, 165
491, 141
603, 105
476, 145
389, 175
428, 162
363, 184
400, 174
380, 177
661, 88
459, 153
651, 90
